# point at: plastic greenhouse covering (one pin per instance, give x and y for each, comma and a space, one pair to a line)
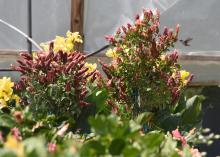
49, 18
199, 20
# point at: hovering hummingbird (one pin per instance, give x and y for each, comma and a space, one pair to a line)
186, 41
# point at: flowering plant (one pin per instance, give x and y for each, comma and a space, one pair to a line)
144, 89
141, 68
57, 82
7, 97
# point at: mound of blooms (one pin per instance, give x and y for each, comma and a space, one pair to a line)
63, 106
143, 66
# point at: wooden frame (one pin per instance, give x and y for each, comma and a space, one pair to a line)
77, 17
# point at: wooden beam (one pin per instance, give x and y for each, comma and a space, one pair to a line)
77, 17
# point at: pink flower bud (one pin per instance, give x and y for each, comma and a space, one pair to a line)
118, 31
129, 25
177, 28
158, 13
16, 133
1, 137
110, 38
137, 17
138, 22
124, 29
51, 147
18, 116
166, 30
176, 134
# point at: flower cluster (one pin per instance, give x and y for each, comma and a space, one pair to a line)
193, 151
64, 44
56, 82
142, 74
6, 92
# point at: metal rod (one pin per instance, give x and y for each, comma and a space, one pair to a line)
98, 51
29, 20
22, 33
7, 70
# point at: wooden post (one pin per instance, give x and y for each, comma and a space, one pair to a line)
77, 16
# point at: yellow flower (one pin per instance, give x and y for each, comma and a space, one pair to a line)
64, 44
2, 103
6, 92
91, 67
6, 84
111, 53
16, 98
13, 144
45, 46
34, 54
184, 74
59, 44
75, 37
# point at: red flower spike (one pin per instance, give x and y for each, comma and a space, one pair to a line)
83, 103
166, 30
118, 31
138, 22
157, 13
124, 29
68, 87
137, 17
129, 25
50, 76
110, 38
51, 46
177, 28
26, 56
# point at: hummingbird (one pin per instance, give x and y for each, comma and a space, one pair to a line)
186, 41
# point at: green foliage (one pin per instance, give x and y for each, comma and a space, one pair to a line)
143, 76
186, 115
119, 138
144, 91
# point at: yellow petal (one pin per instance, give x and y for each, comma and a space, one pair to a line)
184, 74
91, 66
111, 53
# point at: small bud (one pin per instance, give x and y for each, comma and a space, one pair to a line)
110, 38
18, 116
51, 147
124, 29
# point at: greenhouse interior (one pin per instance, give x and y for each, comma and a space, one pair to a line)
122, 78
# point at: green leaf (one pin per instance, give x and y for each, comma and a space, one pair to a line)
143, 117
134, 126
169, 147
186, 152
6, 121
35, 147
117, 146
99, 98
193, 109
153, 140
169, 122
92, 148
130, 151
7, 153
